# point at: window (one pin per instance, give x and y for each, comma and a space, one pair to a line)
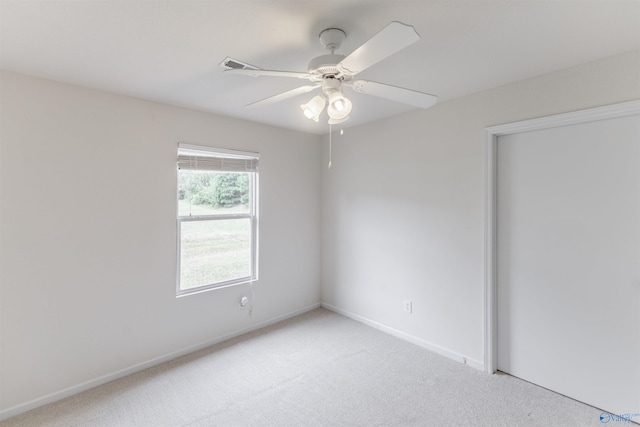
217, 220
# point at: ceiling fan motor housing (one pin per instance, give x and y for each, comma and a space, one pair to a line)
325, 64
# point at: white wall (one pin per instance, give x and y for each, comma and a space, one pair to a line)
88, 234
403, 205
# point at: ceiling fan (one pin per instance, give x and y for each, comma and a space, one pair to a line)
332, 73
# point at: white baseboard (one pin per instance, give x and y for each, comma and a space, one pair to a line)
61, 394
414, 340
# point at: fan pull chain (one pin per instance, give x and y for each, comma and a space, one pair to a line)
329, 167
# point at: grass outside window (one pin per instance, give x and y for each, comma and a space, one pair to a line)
216, 229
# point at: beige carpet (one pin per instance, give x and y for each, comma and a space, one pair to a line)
318, 369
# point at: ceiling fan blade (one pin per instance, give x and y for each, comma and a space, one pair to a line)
394, 93
270, 73
391, 39
282, 96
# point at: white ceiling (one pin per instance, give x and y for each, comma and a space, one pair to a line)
169, 51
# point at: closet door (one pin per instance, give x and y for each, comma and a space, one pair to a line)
568, 260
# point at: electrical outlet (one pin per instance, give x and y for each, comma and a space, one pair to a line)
242, 302
408, 306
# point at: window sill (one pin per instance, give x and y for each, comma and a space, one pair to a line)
202, 289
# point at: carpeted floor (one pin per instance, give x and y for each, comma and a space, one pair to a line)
318, 369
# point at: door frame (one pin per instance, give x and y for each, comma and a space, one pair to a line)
490, 182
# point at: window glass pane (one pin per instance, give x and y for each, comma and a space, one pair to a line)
209, 193
214, 251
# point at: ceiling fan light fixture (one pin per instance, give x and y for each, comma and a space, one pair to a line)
313, 108
339, 106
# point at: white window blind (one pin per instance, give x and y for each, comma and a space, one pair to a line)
204, 158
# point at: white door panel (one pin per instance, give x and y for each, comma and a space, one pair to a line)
568, 260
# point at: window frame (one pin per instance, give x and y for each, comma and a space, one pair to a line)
251, 215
